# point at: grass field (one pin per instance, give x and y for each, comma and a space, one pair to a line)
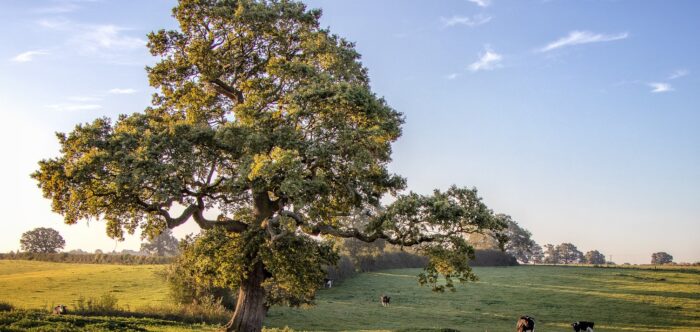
32, 284
616, 299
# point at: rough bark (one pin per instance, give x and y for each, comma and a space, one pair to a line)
250, 308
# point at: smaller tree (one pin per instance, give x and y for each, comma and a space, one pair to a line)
594, 257
568, 253
537, 254
520, 243
43, 240
661, 258
551, 255
164, 244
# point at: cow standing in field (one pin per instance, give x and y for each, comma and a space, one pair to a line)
582, 326
328, 283
385, 300
60, 310
525, 324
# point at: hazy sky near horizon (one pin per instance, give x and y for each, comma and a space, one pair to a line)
580, 119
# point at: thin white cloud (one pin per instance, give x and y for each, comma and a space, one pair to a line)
82, 99
582, 37
117, 91
678, 74
488, 60
451, 76
481, 3
659, 87
73, 107
106, 37
106, 40
60, 8
464, 20
27, 56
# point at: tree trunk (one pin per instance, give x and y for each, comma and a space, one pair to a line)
250, 307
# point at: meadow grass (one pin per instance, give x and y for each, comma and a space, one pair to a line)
616, 299
41, 285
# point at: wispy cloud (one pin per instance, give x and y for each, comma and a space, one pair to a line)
678, 74
117, 91
582, 37
481, 3
104, 40
488, 60
464, 20
73, 107
659, 87
28, 56
84, 98
62, 6
451, 76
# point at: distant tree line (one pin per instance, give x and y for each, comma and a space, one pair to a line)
87, 258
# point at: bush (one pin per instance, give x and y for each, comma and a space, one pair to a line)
105, 304
186, 289
5, 306
490, 257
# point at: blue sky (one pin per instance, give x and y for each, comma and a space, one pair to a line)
579, 119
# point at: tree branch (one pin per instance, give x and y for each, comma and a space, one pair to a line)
227, 90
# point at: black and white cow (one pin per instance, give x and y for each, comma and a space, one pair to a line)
328, 283
525, 324
582, 326
385, 300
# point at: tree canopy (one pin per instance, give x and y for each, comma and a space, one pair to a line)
520, 243
661, 258
594, 257
42, 240
267, 121
165, 244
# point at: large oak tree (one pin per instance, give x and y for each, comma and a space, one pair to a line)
267, 120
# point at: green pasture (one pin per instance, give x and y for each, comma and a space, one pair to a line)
615, 299
40, 285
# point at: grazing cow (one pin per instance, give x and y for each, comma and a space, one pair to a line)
328, 283
385, 300
60, 310
525, 324
582, 326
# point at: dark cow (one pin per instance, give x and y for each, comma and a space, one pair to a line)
60, 310
582, 326
525, 324
385, 300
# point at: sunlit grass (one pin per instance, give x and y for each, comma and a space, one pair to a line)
40, 285
616, 299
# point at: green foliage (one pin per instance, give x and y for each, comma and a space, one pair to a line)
164, 244
42, 240
594, 257
98, 258
266, 118
193, 279
565, 253
6, 306
36, 321
520, 243
661, 258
